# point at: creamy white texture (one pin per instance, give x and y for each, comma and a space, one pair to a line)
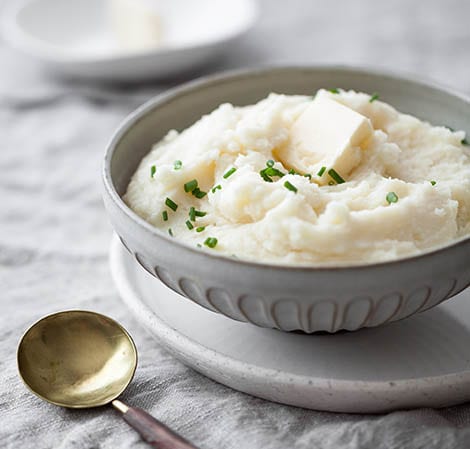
339, 224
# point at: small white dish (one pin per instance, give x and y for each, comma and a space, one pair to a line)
419, 362
75, 38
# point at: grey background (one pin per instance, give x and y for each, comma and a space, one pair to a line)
54, 235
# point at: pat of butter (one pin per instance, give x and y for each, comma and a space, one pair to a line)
326, 134
135, 24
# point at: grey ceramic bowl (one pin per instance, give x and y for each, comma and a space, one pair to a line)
283, 297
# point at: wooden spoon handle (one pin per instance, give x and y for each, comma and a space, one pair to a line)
150, 429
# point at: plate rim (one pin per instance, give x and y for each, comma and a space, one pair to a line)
31, 45
184, 348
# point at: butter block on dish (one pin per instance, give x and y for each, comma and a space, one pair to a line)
326, 134
136, 24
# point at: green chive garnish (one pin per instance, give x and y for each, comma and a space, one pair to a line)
290, 187
375, 96
433, 183
200, 228
464, 142
192, 214
271, 171
211, 242
229, 172
336, 177
391, 197
165, 215
177, 165
270, 163
190, 185
331, 183
308, 175
334, 91
170, 232
268, 172
189, 225
265, 176
171, 204
217, 187
321, 171
199, 213
292, 172
153, 170
198, 193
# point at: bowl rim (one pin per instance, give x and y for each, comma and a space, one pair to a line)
169, 95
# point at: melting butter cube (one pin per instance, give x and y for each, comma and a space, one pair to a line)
327, 134
136, 24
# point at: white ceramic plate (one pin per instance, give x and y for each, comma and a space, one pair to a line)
422, 361
75, 37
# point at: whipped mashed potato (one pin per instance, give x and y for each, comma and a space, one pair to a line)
373, 185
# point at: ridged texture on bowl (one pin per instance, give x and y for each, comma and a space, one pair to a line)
324, 314
286, 298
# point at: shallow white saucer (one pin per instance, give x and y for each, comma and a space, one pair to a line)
75, 37
423, 361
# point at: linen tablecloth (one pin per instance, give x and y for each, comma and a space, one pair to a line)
54, 235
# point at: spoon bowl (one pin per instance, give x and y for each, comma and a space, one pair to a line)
81, 359
77, 359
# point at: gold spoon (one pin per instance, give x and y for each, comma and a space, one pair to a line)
81, 359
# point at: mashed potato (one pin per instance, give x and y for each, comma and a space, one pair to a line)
224, 185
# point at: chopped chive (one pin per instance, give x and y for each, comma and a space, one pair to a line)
331, 183
308, 175
211, 242
464, 142
171, 204
321, 171
229, 172
433, 183
271, 171
265, 176
391, 197
200, 228
335, 175
192, 214
177, 165
292, 172
334, 90
190, 185
153, 170
199, 213
290, 187
268, 172
165, 215
198, 193
375, 96
270, 163
189, 225
217, 187
170, 232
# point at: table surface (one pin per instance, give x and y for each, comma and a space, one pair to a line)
54, 235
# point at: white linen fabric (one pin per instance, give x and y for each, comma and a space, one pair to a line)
54, 235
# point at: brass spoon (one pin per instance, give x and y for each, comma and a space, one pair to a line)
81, 359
